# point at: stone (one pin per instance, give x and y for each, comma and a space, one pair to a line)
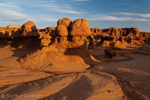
61, 30
27, 30
80, 27
110, 52
64, 21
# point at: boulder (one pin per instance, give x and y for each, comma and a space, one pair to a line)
61, 30
80, 27
29, 30
64, 21
110, 52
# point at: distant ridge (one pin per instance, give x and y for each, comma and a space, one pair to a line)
15, 26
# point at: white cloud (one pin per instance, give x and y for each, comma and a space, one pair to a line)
64, 8
56, 7
11, 12
110, 18
49, 19
11, 5
135, 14
116, 18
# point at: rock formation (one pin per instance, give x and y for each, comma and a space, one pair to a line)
65, 22
96, 31
67, 44
5, 34
119, 37
45, 38
110, 52
92, 43
71, 35
80, 27
29, 30
26, 37
79, 30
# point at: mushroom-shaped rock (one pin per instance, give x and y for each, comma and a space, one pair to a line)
110, 52
61, 30
64, 21
29, 29
80, 27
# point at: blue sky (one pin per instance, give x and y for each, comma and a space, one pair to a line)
99, 13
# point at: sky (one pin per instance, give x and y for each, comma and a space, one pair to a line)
99, 13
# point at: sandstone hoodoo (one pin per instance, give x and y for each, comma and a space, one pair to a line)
63, 27
26, 37
65, 22
29, 30
79, 30
80, 27
45, 38
5, 34
62, 33
62, 30
71, 34
68, 44
96, 30
92, 43
119, 37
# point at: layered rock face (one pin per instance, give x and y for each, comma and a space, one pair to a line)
67, 34
5, 34
70, 34
45, 37
119, 37
96, 30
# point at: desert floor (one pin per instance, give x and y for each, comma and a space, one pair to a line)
125, 77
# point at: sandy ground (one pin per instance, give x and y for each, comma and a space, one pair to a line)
125, 77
